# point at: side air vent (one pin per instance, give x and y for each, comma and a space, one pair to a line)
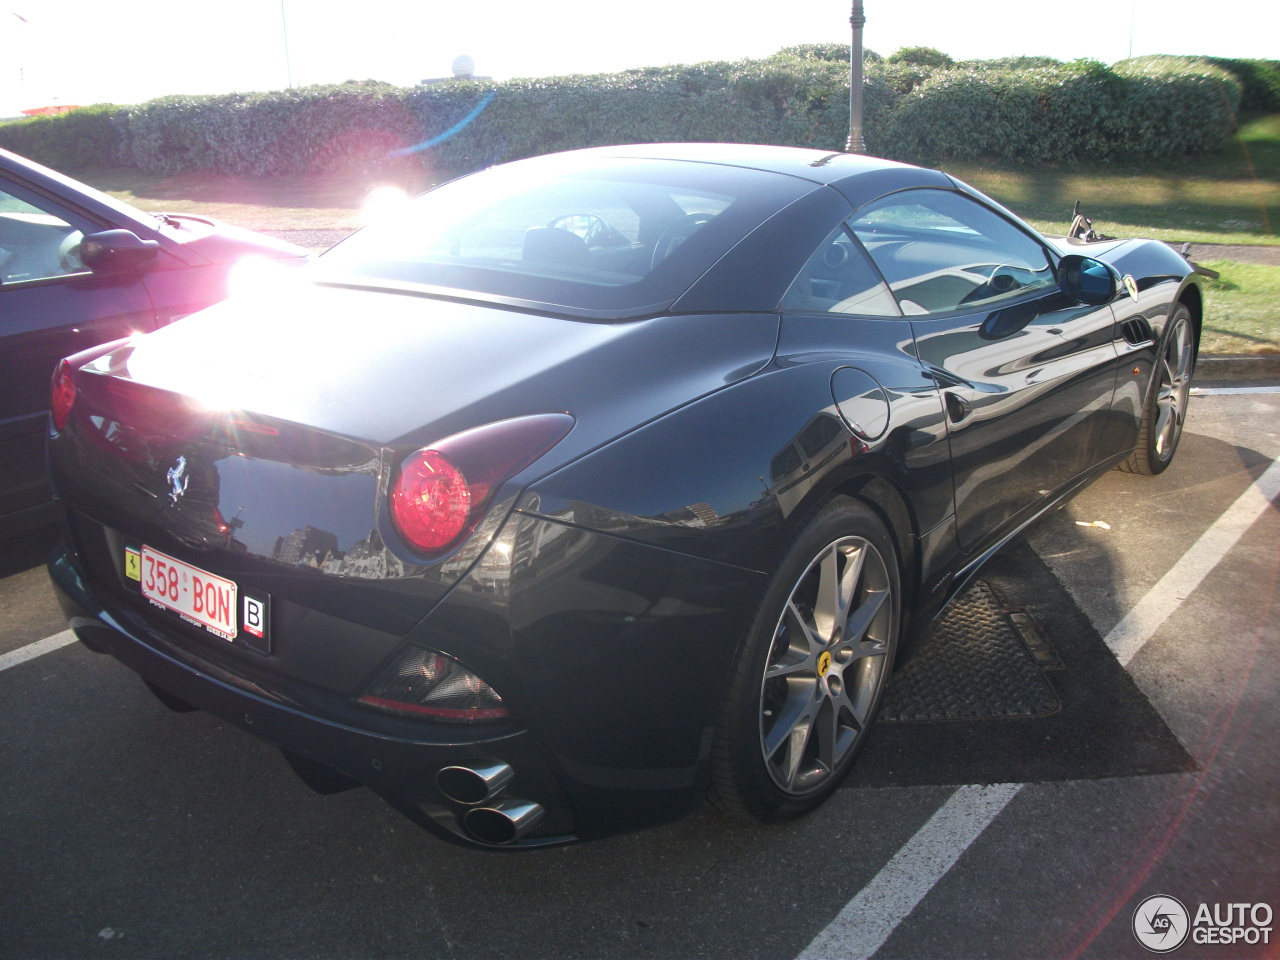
1137, 331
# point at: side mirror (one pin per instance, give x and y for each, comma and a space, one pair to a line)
1086, 280
117, 251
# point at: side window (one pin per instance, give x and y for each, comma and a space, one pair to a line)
36, 241
839, 279
942, 251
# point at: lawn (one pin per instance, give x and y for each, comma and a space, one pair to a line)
1230, 196
1242, 309
269, 205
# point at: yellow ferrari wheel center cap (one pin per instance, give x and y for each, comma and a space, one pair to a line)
824, 663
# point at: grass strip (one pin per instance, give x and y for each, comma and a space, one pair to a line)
1242, 309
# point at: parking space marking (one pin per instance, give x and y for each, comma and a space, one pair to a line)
871, 917
867, 920
37, 649
1230, 391
1129, 636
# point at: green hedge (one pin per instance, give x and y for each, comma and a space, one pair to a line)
1070, 112
1260, 79
1019, 109
88, 137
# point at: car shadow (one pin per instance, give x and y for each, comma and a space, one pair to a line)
27, 550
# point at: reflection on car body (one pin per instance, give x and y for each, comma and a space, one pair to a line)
79, 268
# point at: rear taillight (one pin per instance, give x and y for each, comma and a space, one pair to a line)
430, 501
63, 388
440, 492
426, 683
64, 394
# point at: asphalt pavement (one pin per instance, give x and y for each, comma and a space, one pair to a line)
131, 831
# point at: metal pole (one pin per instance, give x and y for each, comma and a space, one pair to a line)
284, 26
856, 143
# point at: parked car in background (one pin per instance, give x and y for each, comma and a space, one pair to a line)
601, 482
79, 268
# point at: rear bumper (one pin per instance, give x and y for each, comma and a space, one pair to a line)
612, 655
402, 771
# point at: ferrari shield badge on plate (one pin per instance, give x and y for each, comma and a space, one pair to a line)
1131, 285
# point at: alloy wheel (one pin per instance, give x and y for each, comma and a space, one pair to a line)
827, 665
1175, 383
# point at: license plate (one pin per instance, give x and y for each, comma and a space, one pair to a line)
199, 597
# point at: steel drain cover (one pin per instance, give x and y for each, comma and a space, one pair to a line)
971, 665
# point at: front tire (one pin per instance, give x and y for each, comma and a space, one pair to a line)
808, 682
1166, 408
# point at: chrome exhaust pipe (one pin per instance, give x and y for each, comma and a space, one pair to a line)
504, 822
475, 782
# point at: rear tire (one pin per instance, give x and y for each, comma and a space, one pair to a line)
809, 679
1166, 408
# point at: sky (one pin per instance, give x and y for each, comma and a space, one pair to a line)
87, 51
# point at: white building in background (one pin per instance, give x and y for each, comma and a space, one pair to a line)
29, 67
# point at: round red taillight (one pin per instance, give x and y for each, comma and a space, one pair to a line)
430, 502
64, 394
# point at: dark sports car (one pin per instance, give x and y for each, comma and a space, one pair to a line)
598, 483
78, 268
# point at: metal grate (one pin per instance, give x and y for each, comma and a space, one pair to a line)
972, 665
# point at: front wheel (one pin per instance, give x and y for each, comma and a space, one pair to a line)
1166, 408
809, 679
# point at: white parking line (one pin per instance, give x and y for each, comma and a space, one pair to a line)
871, 917
1127, 637
37, 649
1230, 391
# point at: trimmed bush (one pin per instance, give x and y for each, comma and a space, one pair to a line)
1010, 63
1260, 80
1071, 112
921, 56
838, 52
1149, 107
88, 137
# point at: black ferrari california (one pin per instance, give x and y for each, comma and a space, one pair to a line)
596, 484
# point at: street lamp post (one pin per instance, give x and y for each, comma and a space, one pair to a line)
284, 29
856, 143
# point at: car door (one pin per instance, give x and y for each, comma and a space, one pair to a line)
50, 306
1026, 373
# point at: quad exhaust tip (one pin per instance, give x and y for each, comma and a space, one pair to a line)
475, 782
504, 822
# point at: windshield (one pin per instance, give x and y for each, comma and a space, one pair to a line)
610, 235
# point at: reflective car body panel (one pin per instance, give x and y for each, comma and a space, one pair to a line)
52, 306
857, 337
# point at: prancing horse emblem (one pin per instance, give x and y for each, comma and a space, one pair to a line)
178, 479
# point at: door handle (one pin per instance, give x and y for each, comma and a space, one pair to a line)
957, 406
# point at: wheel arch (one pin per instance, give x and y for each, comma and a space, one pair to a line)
891, 505
888, 501
1193, 299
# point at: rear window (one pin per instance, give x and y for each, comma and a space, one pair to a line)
613, 236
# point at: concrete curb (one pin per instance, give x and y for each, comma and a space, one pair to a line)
1235, 369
